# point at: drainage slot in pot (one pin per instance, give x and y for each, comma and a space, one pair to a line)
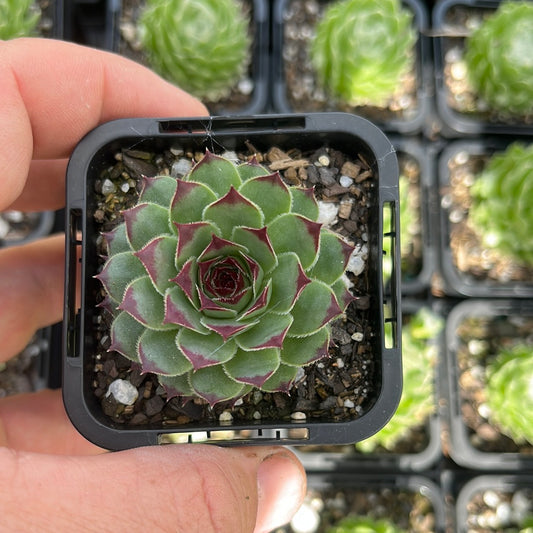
389, 267
243, 435
74, 250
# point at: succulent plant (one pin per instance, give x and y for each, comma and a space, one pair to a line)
417, 402
502, 203
362, 49
364, 524
510, 392
201, 45
18, 18
498, 58
223, 280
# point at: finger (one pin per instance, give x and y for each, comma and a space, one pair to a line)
193, 488
53, 92
45, 186
31, 291
37, 422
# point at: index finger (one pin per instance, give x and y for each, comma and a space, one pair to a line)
53, 92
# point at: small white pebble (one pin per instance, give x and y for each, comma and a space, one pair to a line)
257, 396
339, 362
108, 187
345, 181
180, 167
15, 217
125, 187
231, 155
357, 336
300, 373
327, 213
238, 402
298, 416
4, 228
324, 160
123, 392
256, 415
349, 404
246, 86
484, 410
491, 498
225, 417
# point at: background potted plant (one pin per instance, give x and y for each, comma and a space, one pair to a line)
315, 398
379, 72
482, 215
339, 503
495, 503
218, 50
480, 87
489, 376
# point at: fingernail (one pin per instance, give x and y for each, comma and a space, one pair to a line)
281, 487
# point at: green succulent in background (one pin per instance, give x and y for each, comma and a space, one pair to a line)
223, 281
502, 203
510, 392
201, 45
407, 220
499, 61
363, 524
18, 18
419, 355
362, 49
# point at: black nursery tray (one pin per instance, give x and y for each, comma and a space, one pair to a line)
378, 309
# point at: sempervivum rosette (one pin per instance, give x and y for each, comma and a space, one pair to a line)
223, 281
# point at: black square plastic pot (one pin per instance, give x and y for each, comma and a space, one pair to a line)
450, 33
411, 502
409, 122
460, 276
494, 503
96, 152
239, 103
419, 450
473, 441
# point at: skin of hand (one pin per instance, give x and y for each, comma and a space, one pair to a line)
52, 479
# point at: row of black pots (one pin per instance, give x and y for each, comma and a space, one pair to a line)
431, 108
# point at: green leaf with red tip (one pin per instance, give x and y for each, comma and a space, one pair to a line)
118, 272
218, 173
343, 295
259, 305
156, 257
288, 281
180, 311
144, 222
294, 233
253, 368
233, 210
304, 202
213, 385
117, 240
187, 281
189, 201
300, 351
158, 190
226, 328
205, 350
219, 247
269, 333
333, 257
258, 246
144, 303
193, 238
316, 306
176, 386
125, 333
251, 169
159, 353
269, 193
281, 380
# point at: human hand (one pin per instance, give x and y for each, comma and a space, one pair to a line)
51, 94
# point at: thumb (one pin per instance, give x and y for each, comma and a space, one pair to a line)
184, 488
